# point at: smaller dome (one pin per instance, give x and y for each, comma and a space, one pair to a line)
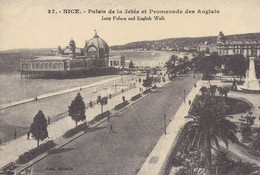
221, 35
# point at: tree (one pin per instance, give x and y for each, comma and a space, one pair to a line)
203, 90
103, 101
209, 124
246, 126
171, 65
39, 127
235, 64
207, 65
147, 82
77, 109
131, 64
212, 90
222, 162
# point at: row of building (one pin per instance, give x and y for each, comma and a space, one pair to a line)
231, 46
94, 58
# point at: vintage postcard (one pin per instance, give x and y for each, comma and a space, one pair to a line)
122, 87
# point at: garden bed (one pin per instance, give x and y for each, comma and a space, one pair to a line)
147, 91
31, 154
136, 97
235, 106
121, 105
76, 130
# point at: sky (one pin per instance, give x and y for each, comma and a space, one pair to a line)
27, 23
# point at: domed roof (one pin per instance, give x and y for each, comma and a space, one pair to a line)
97, 43
221, 35
72, 41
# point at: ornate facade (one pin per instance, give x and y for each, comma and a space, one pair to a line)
232, 46
94, 57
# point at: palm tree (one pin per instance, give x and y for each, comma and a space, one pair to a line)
222, 162
209, 124
226, 165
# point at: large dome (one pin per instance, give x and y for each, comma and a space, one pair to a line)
98, 44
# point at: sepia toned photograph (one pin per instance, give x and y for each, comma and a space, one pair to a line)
129, 87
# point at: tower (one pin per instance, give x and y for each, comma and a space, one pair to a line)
72, 46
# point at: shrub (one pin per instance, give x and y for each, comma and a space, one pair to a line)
154, 87
100, 117
136, 97
76, 130
147, 91
121, 105
33, 153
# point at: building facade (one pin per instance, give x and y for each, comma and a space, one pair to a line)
70, 61
232, 46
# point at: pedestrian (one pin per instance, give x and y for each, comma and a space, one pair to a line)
189, 102
111, 129
108, 118
140, 89
15, 134
49, 121
110, 95
123, 98
195, 85
90, 104
0, 142
28, 135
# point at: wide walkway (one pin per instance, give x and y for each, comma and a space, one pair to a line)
10, 151
20, 117
137, 130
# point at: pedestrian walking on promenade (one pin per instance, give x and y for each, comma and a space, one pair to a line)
111, 130
123, 98
195, 85
28, 135
189, 102
0, 142
108, 118
15, 134
49, 121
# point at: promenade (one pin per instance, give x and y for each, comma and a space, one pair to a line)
19, 117
137, 130
10, 151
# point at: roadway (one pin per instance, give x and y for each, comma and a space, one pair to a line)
137, 130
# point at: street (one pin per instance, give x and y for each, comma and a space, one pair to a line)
137, 129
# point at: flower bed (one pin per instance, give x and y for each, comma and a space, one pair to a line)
76, 130
31, 154
121, 105
136, 97
147, 91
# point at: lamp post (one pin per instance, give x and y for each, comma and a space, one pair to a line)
184, 96
115, 86
164, 116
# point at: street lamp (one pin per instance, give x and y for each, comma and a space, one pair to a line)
184, 95
164, 116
